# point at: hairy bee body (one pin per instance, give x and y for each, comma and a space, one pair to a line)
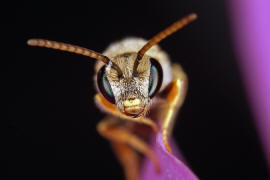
130, 76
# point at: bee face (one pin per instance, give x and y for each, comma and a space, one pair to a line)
131, 92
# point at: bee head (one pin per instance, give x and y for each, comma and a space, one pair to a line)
131, 91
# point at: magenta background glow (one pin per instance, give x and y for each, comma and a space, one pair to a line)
250, 21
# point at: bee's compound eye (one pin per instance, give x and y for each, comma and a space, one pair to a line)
104, 85
156, 77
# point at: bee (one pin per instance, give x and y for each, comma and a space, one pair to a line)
133, 77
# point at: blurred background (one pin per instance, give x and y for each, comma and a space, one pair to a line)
52, 115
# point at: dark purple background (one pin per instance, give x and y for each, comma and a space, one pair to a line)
251, 27
52, 115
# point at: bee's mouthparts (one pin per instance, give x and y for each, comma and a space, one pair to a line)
134, 111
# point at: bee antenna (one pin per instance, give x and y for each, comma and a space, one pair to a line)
73, 49
162, 35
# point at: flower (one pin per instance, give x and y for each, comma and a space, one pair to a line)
172, 168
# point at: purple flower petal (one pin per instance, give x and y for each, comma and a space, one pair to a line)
251, 30
171, 167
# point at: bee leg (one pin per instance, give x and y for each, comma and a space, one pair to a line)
174, 94
128, 158
116, 133
111, 109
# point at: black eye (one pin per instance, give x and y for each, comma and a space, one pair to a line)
104, 85
156, 77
